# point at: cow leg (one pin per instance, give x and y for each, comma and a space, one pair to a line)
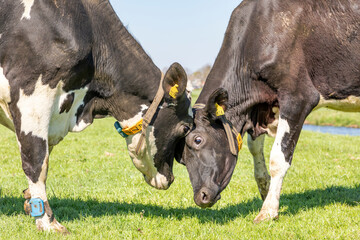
279, 165
293, 111
262, 177
35, 160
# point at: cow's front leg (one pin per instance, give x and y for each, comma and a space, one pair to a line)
280, 158
262, 177
35, 162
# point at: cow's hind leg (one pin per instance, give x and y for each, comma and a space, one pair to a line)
35, 160
262, 177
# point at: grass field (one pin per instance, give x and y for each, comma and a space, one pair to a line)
97, 193
326, 116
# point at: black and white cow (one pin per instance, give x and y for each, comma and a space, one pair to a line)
279, 61
64, 63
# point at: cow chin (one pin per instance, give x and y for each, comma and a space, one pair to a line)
144, 161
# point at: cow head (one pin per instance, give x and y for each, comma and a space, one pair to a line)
171, 121
206, 152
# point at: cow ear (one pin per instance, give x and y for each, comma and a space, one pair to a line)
217, 103
175, 80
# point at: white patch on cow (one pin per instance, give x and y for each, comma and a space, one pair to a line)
38, 190
40, 112
36, 109
132, 121
65, 122
5, 116
277, 158
4, 87
0, 35
271, 128
80, 126
349, 104
278, 169
27, 5
144, 160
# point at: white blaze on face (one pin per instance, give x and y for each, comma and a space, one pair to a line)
27, 5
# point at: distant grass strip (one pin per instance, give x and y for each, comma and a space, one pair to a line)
330, 117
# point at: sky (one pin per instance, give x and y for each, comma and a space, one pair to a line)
186, 31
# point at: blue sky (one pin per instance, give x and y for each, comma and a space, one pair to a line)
186, 31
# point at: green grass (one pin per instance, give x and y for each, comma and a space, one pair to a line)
98, 195
326, 116
194, 95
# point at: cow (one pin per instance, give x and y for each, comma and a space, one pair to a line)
279, 61
65, 63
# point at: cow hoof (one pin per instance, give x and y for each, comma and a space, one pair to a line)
265, 216
27, 194
60, 228
43, 224
27, 207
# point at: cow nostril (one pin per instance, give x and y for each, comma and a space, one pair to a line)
204, 197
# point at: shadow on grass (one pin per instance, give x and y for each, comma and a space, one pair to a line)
72, 209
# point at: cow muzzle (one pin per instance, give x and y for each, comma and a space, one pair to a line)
206, 198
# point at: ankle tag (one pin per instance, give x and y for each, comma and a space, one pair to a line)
37, 207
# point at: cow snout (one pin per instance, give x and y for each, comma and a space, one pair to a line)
206, 198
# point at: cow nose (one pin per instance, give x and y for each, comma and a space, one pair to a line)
206, 198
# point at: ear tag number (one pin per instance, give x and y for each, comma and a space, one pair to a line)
219, 110
173, 91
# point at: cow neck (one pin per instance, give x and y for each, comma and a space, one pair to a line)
237, 85
121, 59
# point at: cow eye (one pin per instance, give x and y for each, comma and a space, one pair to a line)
198, 140
186, 130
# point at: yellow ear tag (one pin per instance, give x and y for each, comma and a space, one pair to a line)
173, 91
219, 110
240, 141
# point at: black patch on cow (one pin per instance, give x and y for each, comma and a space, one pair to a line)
66, 105
33, 153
